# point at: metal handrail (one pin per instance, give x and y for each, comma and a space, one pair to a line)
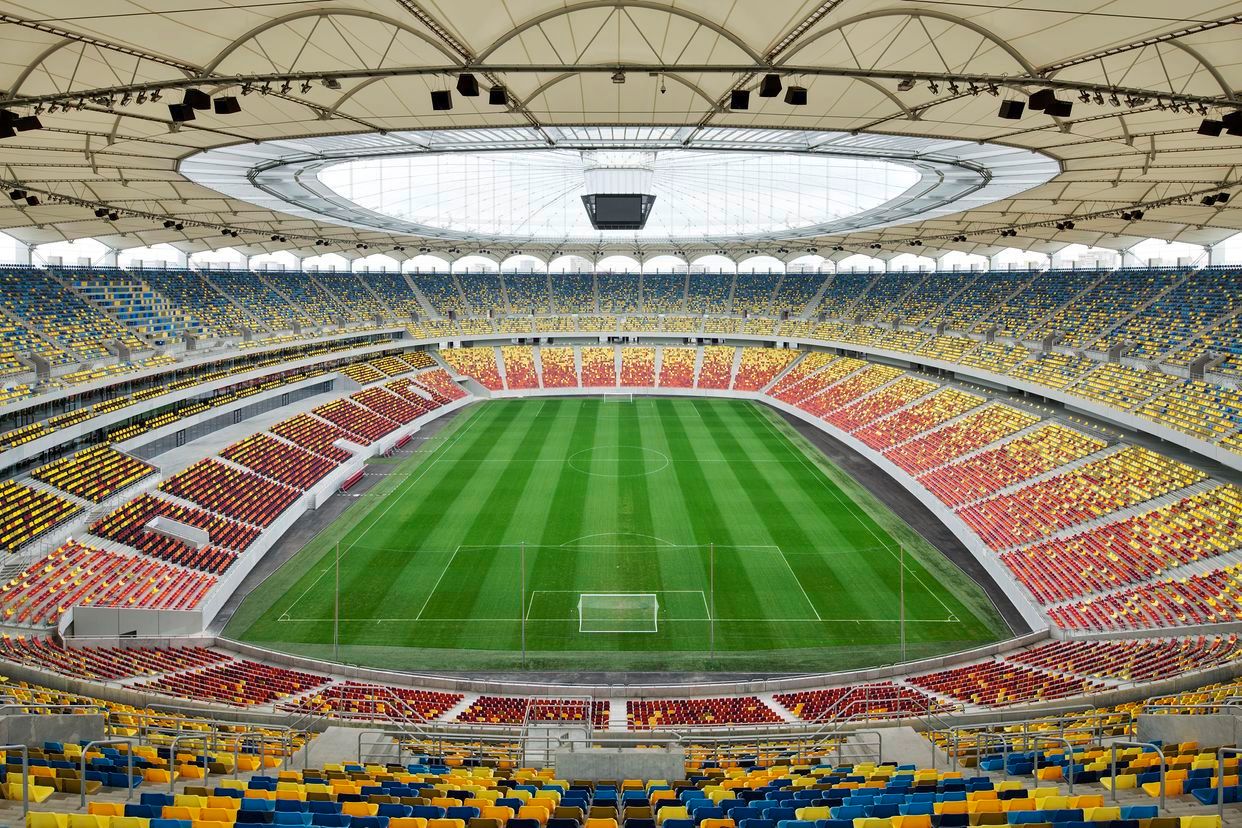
1220, 778
1113, 766
25, 774
237, 742
172, 755
1069, 755
129, 761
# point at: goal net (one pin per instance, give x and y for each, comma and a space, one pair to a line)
611, 612
618, 397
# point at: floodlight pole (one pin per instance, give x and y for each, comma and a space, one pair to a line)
522, 602
711, 619
901, 598
336, 607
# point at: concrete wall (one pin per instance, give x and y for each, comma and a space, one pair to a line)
1214, 730
34, 729
621, 763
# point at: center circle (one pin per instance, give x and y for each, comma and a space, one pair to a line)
618, 461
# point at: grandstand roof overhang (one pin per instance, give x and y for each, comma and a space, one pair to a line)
716, 185
366, 68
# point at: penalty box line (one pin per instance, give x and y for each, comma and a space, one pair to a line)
531, 604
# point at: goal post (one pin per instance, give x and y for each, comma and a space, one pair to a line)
617, 397
618, 612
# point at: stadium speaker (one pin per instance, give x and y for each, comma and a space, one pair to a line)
226, 106
1233, 122
796, 96
739, 99
497, 96
1011, 110
770, 86
27, 123
467, 85
1211, 127
1041, 100
180, 113
441, 100
197, 98
1059, 109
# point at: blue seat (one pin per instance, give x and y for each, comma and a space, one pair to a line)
428, 811
258, 805
291, 818
291, 806
142, 811
330, 820
562, 822
369, 822
465, 812
326, 807
1208, 795
1139, 811
849, 812
751, 822
395, 809
523, 822
255, 817
170, 823
700, 814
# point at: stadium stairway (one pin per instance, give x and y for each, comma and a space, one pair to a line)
338, 745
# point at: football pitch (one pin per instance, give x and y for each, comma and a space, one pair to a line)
617, 534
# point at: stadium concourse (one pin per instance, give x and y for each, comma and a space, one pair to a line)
620, 414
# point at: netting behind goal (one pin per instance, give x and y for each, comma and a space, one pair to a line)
617, 398
618, 612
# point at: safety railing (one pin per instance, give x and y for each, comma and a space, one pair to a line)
130, 744
1221, 753
25, 774
1112, 766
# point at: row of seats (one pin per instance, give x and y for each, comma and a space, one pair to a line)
1142, 660
94, 474
232, 492
103, 663
372, 701
518, 710
1124, 478
940, 407
677, 367
648, 714
1135, 549
1214, 597
477, 363
559, 369
238, 683
1022, 458
80, 574
27, 514
389, 405
717, 369
883, 402
362, 424
971, 433
519, 362
278, 460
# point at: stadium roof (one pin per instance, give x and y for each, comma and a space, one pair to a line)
1141, 76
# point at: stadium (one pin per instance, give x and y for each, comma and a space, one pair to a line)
621, 414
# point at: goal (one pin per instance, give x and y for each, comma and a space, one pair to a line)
618, 612
618, 398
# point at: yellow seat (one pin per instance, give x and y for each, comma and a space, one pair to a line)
106, 808
88, 821
446, 823
1101, 814
407, 822
670, 812
813, 814
42, 819
359, 809
912, 821
1201, 821
129, 822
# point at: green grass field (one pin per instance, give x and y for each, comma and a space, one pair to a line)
622, 497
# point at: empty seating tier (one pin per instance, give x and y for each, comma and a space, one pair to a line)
388, 405
1124, 478
1128, 551
517, 710
238, 683
968, 434
230, 491
1019, 459
27, 513
1000, 683
717, 368
314, 434
848, 390
882, 403
926, 413
280, 461
95, 473
883, 700
759, 366
652, 714
599, 367
1212, 598
477, 363
440, 384
106, 663
1143, 660
374, 701
365, 425
520, 370
559, 370
80, 574
637, 368
676, 367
